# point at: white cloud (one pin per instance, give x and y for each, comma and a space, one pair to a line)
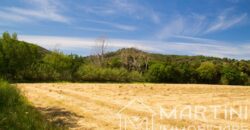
226, 20
198, 25
124, 7
199, 47
41, 10
6, 16
124, 27
95, 29
51, 42
37, 14
197, 39
175, 27
98, 10
182, 25
137, 10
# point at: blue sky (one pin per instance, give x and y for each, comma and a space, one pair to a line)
218, 28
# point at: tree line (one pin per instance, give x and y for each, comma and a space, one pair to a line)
25, 62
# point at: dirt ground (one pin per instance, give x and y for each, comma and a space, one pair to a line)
141, 106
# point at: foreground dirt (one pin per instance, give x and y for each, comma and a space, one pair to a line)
107, 106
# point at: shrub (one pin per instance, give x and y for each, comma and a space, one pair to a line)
135, 76
207, 72
101, 74
17, 114
230, 75
161, 73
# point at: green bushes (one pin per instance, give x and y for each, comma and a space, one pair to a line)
100, 74
232, 75
170, 73
54, 66
157, 73
16, 56
207, 73
25, 62
17, 114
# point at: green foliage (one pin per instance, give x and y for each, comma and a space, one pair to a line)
16, 56
115, 63
6, 36
14, 36
157, 73
164, 73
207, 72
230, 75
60, 63
17, 114
25, 62
54, 66
94, 73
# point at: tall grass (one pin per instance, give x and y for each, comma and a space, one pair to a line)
17, 114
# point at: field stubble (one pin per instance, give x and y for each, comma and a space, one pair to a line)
96, 106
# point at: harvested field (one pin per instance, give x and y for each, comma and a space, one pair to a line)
106, 106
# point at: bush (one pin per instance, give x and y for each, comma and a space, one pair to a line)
135, 76
230, 75
156, 73
161, 73
207, 72
17, 114
100, 74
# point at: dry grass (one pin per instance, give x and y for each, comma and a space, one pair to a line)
96, 105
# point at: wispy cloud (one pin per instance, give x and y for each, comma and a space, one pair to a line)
95, 29
200, 24
51, 42
37, 14
225, 20
199, 46
6, 16
175, 27
42, 10
136, 10
98, 10
124, 27
127, 8
182, 25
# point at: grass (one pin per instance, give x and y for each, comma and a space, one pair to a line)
17, 114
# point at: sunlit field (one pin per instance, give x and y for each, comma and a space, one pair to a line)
107, 106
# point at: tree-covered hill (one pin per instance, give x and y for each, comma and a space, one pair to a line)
25, 62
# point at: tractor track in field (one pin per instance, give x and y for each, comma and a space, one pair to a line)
96, 106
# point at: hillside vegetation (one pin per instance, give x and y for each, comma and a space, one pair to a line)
25, 62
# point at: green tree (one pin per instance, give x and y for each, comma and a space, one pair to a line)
14, 36
60, 63
207, 72
6, 36
94, 73
161, 73
230, 75
16, 57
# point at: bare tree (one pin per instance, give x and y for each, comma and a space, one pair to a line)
134, 59
100, 49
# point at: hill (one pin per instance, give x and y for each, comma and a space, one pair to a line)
26, 62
